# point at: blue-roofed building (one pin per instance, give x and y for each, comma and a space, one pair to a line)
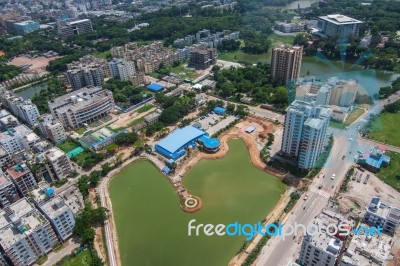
155, 87
374, 159
219, 110
166, 170
174, 145
209, 144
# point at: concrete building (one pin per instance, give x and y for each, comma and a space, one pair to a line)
26, 26
344, 93
22, 178
8, 121
52, 129
288, 27
69, 28
286, 63
368, 250
122, 69
25, 233
18, 139
202, 57
80, 76
59, 215
382, 214
338, 25
305, 132
318, 247
57, 164
23, 109
8, 192
6, 160
90, 60
82, 106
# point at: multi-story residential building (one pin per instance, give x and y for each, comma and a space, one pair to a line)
18, 139
382, 214
57, 164
59, 215
286, 63
121, 69
80, 76
23, 109
22, 178
9, 121
146, 58
202, 57
82, 106
344, 93
25, 233
69, 28
6, 160
338, 25
26, 26
52, 128
90, 60
8, 192
319, 247
288, 27
305, 132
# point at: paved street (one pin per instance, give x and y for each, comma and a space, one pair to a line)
54, 257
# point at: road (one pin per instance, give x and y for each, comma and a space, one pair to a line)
55, 257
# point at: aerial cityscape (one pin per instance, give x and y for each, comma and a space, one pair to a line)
215, 132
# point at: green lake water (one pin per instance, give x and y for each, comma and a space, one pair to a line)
152, 229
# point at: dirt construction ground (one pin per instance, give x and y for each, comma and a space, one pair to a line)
38, 64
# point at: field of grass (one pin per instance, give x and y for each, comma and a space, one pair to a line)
67, 145
144, 108
239, 56
386, 129
356, 113
337, 124
103, 55
80, 130
391, 173
83, 259
183, 72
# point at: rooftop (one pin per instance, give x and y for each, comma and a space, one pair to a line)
17, 171
179, 138
18, 220
340, 19
54, 154
4, 181
54, 207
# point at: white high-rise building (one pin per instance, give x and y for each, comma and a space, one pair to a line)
25, 233
121, 68
57, 163
52, 128
305, 132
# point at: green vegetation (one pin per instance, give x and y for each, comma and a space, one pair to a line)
226, 196
54, 89
126, 139
353, 116
87, 159
87, 219
349, 174
391, 173
144, 108
80, 130
42, 260
83, 259
8, 71
381, 16
385, 92
251, 258
104, 55
68, 145
251, 81
125, 93
61, 182
294, 197
183, 72
337, 124
385, 129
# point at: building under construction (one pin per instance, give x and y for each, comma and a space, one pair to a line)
202, 57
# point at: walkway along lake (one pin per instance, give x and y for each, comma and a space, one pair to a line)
152, 228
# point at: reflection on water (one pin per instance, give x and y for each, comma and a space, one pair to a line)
31, 91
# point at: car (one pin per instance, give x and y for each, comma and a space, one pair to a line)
320, 186
360, 152
344, 156
333, 176
350, 139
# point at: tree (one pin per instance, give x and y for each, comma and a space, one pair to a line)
126, 138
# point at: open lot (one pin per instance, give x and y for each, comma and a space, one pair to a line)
68, 145
83, 259
38, 64
386, 129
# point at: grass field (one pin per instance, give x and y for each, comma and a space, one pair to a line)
67, 145
386, 129
103, 55
144, 108
183, 72
80, 130
391, 174
239, 56
356, 113
83, 259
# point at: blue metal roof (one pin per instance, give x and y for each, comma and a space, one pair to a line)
155, 87
219, 110
210, 143
179, 138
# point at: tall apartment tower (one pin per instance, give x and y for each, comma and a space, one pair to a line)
121, 68
286, 63
305, 132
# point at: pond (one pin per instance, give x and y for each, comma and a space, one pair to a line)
152, 228
29, 92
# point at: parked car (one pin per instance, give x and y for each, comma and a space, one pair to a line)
333, 176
